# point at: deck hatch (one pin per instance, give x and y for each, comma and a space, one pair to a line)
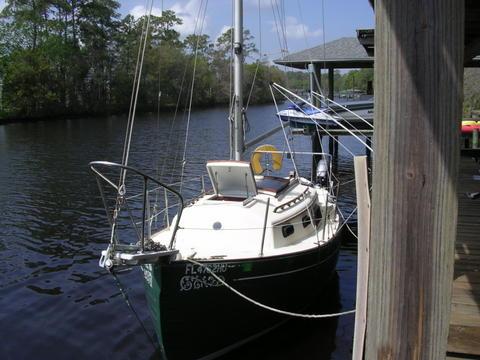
232, 179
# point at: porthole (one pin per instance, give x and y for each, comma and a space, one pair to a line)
287, 230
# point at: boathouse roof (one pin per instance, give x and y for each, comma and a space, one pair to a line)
357, 52
346, 52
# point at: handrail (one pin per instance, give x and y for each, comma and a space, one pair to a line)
265, 225
196, 178
145, 177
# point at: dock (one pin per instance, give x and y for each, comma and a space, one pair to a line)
464, 334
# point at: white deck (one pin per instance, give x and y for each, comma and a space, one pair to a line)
232, 229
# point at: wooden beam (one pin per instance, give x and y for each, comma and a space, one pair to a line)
419, 86
317, 83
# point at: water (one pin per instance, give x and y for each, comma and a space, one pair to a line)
55, 302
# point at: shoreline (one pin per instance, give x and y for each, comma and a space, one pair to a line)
166, 109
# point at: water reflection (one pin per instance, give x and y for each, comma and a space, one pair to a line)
53, 227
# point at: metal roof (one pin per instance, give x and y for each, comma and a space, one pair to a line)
346, 52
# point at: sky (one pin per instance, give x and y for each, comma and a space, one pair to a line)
304, 20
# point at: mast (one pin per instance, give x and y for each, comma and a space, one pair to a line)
238, 135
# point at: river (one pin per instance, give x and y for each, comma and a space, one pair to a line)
55, 302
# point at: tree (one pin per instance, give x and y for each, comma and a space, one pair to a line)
98, 21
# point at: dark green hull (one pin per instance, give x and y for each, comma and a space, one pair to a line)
196, 317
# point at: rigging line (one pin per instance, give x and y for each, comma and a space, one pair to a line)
172, 174
263, 306
345, 222
277, 29
318, 125
315, 77
231, 97
324, 37
324, 100
278, 87
230, 68
259, 55
127, 150
130, 306
157, 160
309, 211
172, 123
281, 29
192, 87
342, 107
129, 117
284, 133
353, 127
281, 21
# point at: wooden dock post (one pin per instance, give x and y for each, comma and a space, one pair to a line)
368, 153
331, 85
419, 49
475, 139
363, 206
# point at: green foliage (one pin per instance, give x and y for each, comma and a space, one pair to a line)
67, 57
471, 104
356, 80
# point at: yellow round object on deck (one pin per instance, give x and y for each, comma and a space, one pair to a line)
469, 122
258, 155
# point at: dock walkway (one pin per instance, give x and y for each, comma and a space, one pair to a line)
464, 336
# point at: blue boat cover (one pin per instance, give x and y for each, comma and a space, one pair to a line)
304, 108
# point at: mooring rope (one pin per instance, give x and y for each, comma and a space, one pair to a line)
266, 307
130, 306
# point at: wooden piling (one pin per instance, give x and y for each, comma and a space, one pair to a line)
419, 84
475, 139
363, 206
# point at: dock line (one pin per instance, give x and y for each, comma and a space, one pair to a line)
266, 307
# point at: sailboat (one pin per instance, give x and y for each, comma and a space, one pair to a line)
232, 262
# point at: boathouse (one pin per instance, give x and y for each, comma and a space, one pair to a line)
424, 268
